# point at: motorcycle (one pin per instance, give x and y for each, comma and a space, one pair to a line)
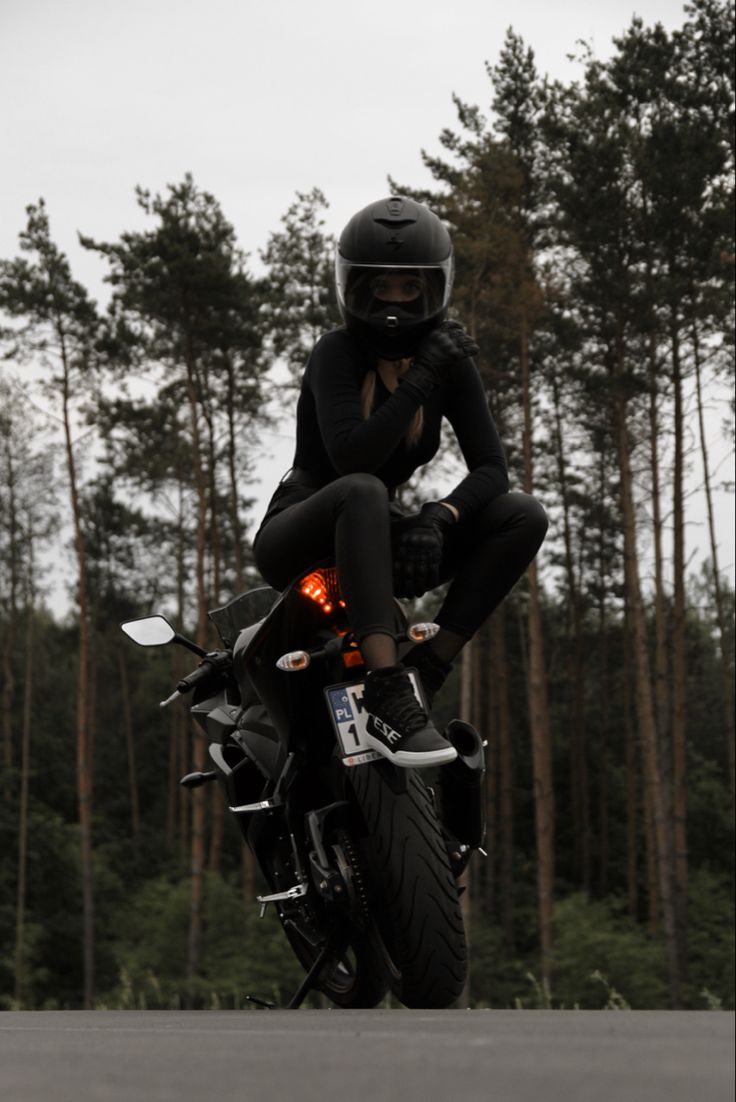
361, 858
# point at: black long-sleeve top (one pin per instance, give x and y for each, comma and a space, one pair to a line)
333, 438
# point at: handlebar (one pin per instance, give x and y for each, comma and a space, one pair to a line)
187, 683
214, 662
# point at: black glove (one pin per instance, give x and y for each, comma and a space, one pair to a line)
418, 541
437, 351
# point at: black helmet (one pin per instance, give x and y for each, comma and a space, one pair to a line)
393, 270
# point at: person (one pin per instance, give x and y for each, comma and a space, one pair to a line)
369, 413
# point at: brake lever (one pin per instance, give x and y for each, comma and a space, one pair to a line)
174, 695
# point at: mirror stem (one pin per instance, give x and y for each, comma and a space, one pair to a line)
184, 642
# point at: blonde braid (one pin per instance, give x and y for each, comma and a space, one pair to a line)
368, 401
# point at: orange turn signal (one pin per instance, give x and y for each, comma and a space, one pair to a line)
293, 661
419, 633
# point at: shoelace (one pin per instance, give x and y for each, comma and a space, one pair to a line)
406, 710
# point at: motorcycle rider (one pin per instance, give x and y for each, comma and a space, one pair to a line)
372, 399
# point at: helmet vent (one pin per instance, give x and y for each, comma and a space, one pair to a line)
394, 223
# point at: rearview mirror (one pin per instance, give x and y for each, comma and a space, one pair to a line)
149, 631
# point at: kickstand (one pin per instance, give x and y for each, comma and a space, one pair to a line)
329, 947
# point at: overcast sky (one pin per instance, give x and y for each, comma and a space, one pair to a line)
257, 100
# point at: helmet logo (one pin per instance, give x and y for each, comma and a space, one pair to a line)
396, 242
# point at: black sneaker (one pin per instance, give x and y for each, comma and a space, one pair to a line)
432, 670
398, 727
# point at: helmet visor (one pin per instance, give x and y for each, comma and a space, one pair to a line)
371, 292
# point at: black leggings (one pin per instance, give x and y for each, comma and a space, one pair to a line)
349, 521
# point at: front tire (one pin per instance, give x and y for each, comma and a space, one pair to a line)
417, 904
354, 981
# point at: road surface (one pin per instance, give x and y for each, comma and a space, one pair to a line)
379, 1055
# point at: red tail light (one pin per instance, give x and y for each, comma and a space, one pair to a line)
322, 587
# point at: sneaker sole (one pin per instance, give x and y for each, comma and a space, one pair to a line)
417, 759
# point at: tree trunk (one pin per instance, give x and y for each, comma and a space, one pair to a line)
632, 802
235, 525
214, 541
603, 740
721, 615
661, 688
679, 665
177, 807
172, 787
650, 835
185, 798
8, 693
544, 807
84, 764
644, 703
135, 818
21, 979
489, 731
579, 778
92, 671
197, 845
218, 827
216, 798
505, 784
466, 880
248, 871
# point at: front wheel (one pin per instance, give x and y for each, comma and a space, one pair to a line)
355, 977
353, 980
417, 905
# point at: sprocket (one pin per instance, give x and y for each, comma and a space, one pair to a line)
349, 867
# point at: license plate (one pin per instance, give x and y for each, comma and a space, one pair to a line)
349, 718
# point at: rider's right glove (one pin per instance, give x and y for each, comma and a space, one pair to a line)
418, 541
442, 347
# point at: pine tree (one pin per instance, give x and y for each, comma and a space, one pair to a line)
300, 303
189, 307
59, 330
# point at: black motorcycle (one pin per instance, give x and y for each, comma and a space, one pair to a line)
361, 858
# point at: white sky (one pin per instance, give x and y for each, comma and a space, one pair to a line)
257, 100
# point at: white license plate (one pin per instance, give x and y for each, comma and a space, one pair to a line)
345, 705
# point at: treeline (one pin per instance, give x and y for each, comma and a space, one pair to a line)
594, 237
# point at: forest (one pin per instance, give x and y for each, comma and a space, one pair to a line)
594, 237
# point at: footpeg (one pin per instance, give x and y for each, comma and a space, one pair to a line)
291, 893
194, 780
259, 805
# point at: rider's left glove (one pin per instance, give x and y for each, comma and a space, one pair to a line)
418, 543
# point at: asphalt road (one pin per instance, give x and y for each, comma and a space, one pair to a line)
407, 1056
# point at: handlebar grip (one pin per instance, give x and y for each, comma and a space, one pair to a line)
187, 683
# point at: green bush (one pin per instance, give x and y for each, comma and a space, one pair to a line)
710, 941
600, 955
241, 954
601, 960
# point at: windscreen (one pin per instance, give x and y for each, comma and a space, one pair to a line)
241, 612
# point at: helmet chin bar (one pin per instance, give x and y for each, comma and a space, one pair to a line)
391, 342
